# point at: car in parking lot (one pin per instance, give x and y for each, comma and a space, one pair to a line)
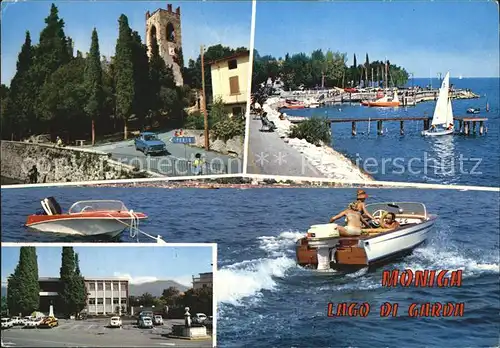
198, 318
148, 142
145, 323
7, 323
48, 322
17, 321
115, 322
32, 322
158, 320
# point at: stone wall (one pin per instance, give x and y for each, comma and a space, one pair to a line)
61, 164
233, 147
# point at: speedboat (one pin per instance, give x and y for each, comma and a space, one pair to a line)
324, 249
442, 119
473, 110
84, 218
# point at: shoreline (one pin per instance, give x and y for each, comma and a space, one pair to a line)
329, 162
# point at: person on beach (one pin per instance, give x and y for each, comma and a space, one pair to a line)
354, 221
389, 221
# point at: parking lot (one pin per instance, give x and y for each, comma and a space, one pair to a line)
95, 333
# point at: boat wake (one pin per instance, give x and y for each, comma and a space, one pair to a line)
247, 279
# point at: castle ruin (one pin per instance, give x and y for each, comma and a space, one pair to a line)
165, 26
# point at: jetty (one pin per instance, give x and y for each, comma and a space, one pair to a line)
466, 125
407, 97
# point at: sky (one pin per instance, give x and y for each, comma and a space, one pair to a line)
140, 264
425, 37
207, 23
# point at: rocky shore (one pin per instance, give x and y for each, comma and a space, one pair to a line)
327, 161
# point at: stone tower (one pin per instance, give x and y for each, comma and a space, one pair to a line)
165, 25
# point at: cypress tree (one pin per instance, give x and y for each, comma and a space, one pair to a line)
141, 103
367, 66
23, 289
67, 272
93, 83
79, 290
125, 91
157, 73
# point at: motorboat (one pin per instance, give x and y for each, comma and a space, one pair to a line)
84, 218
311, 103
442, 119
384, 101
324, 249
473, 110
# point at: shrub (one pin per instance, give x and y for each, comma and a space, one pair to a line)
313, 130
228, 129
195, 120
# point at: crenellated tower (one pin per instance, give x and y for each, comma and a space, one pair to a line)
165, 25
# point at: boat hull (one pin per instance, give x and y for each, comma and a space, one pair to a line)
427, 133
85, 224
355, 253
383, 104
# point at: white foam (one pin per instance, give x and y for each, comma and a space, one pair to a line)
279, 245
249, 278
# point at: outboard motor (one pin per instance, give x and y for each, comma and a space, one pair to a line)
51, 206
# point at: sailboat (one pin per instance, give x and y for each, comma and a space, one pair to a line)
442, 120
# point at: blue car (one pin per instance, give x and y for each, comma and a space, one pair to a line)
148, 143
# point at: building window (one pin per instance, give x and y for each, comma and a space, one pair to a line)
108, 286
91, 286
92, 301
234, 85
100, 301
232, 64
124, 301
237, 111
100, 286
115, 301
108, 300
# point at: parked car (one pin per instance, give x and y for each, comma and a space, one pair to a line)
115, 322
144, 314
17, 321
158, 320
148, 142
198, 318
49, 322
7, 323
146, 323
33, 322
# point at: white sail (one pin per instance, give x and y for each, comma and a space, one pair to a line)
449, 113
441, 110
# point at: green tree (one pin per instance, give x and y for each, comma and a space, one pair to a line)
5, 309
199, 300
74, 293
93, 83
146, 300
125, 91
171, 296
23, 289
141, 104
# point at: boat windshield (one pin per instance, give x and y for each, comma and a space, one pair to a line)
398, 208
92, 206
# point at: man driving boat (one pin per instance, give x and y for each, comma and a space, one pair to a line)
389, 221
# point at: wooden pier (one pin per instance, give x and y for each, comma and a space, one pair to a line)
466, 125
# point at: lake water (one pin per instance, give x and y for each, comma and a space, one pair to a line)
267, 301
472, 160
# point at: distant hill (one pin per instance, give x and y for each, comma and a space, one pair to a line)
155, 288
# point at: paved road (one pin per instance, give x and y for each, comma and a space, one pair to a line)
270, 155
91, 333
176, 162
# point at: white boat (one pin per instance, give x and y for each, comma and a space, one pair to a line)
442, 120
85, 218
324, 249
311, 103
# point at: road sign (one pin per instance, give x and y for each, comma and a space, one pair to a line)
183, 140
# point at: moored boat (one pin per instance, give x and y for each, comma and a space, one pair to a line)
323, 248
385, 102
473, 110
84, 218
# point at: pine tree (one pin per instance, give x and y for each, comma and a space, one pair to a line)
125, 92
23, 288
93, 83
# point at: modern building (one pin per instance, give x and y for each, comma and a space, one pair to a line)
105, 296
230, 81
204, 280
